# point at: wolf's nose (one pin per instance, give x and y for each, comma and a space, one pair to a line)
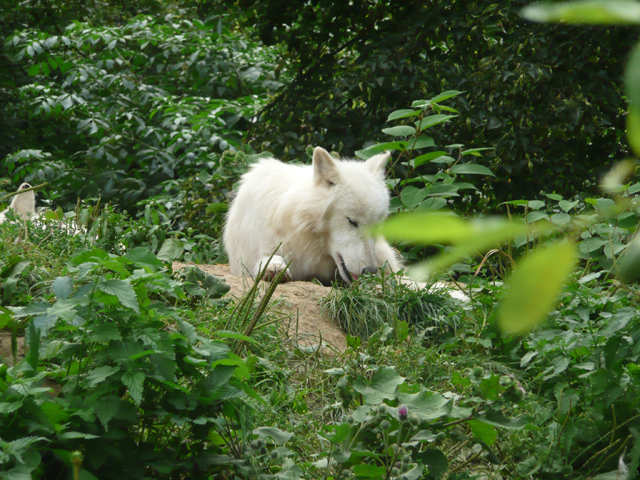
370, 270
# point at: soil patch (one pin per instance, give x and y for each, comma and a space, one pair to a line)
303, 320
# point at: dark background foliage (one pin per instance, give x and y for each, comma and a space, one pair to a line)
547, 97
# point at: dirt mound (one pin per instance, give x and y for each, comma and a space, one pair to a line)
304, 321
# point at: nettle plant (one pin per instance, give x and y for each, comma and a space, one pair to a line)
425, 176
399, 430
117, 381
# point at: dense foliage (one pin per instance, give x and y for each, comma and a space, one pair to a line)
134, 121
547, 97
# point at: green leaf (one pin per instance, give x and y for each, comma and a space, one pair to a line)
633, 128
382, 386
106, 408
363, 470
484, 432
412, 196
534, 287
422, 142
171, 249
536, 216
123, 291
436, 461
430, 157
628, 266
381, 147
432, 121
590, 245
399, 131
100, 374
497, 419
425, 405
144, 257
402, 113
446, 95
62, 287
560, 219
134, 381
280, 437
470, 169
337, 434
585, 12
567, 206
475, 151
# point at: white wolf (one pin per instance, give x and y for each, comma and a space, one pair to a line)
316, 216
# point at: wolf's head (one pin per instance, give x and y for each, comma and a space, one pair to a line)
357, 197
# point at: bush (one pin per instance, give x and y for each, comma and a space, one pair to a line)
547, 97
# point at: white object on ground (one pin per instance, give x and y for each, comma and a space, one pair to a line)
23, 204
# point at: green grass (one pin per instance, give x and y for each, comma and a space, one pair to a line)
373, 302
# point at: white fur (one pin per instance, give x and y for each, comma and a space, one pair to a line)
304, 212
23, 204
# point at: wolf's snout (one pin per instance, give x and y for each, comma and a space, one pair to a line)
370, 270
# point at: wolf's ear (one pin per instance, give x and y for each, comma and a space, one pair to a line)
377, 163
325, 170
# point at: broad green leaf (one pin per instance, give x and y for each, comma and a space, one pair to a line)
399, 131
590, 245
123, 291
429, 157
432, 121
402, 113
134, 381
536, 216
280, 437
436, 461
535, 204
425, 227
100, 374
484, 432
490, 388
144, 257
633, 128
560, 219
412, 196
363, 470
446, 95
422, 142
62, 287
171, 249
499, 420
585, 12
425, 405
106, 408
475, 151
381, 147
628, 266
567, 206
382, 386
338, 433
96, 255
534, 286
470, 169
433, 203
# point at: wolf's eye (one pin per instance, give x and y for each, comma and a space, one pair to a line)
352, 222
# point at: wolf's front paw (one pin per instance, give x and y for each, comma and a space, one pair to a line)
276, 265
